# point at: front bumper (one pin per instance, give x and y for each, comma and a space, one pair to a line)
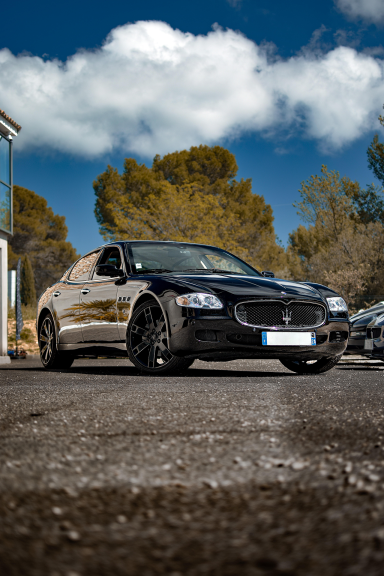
377, 350
223, 338
355, 345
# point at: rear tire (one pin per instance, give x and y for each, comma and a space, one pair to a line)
147, 342
50, 356
309, 367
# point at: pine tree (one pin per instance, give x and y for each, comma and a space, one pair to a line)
189, 196
27, 283
41, 234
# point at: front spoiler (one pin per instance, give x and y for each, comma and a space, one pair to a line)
184, 343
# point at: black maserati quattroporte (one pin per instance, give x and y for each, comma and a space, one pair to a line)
167, 303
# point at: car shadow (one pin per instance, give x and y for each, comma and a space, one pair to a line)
194, 372
362, 368
131, 371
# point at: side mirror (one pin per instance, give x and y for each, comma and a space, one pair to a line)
109, 270
268, 274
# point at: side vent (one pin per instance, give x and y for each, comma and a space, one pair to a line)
206, 335
338, 336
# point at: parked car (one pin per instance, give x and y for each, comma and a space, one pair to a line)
374, 341
359, 324
167, 303
377, 308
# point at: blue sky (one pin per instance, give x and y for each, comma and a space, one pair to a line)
286, 86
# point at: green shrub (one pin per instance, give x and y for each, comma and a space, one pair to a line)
27, 335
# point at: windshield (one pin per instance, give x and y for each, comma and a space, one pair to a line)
161, 257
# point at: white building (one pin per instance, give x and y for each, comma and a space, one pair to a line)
8, 129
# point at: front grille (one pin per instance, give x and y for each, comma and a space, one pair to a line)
373, 333
280, 315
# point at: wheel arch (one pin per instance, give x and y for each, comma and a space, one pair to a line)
43, 313
147, 297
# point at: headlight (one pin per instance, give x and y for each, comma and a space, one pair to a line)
337, 304
197, 300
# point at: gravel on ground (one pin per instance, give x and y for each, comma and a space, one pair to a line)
234, 468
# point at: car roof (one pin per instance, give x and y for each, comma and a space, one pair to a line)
122, 242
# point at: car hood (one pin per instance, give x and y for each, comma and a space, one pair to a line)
378, 311
378, 321
248, 286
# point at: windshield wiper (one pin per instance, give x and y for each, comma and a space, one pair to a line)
220, 271
210, 270
153, 271
165, 270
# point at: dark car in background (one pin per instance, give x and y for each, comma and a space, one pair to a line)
374, 340
359, 323
165, 304
374, 308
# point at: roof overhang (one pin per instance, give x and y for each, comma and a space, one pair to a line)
8, 127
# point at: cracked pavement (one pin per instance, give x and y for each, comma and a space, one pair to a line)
234, 468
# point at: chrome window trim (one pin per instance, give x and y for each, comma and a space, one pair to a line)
286, 302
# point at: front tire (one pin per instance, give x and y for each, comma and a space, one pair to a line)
147, 342
309, 367
50, 356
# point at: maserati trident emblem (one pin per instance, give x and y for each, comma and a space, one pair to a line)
288, 316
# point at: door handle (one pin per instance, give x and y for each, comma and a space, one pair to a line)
85, 290
57, 293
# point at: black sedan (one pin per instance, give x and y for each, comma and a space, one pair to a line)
374, 340
359, 324
166, 304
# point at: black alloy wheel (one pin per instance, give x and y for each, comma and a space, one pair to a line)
311, 366
147, 342
50, 356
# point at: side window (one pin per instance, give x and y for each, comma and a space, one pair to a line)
111, 256
82, 268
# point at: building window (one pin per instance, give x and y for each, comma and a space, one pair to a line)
5, 163
5, 185
5, 207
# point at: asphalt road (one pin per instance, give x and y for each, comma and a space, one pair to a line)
240, 468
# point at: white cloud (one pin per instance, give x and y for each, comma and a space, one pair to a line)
369, 10
151, 89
